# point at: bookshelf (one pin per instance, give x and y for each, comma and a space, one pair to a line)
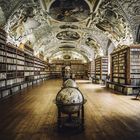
3, 58
125, 69
79, 69
101, 70
92, 68
19, 68
41, 69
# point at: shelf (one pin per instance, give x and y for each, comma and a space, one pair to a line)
101, 68
18, 68
120, 66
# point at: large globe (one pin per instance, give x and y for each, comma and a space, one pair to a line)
70, 83
69, 100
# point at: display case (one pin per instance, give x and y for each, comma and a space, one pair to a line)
125, 69
101, 70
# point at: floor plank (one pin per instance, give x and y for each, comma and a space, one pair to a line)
32, 115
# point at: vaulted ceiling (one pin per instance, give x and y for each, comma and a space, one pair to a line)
71, 27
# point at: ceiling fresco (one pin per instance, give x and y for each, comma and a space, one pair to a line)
68, 55
68, 27
69, 10
87, 25
68, 35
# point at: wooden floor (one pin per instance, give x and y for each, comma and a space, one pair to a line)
32, 115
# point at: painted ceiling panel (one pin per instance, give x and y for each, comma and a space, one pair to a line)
85, 24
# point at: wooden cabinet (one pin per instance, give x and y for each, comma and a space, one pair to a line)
125, 69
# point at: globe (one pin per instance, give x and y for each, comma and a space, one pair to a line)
70, 83
69, 100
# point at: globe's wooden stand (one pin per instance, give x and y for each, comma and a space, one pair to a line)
70, 108
69, 121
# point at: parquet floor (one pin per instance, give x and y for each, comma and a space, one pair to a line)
32, 115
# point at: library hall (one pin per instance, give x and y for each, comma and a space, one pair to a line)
69, 69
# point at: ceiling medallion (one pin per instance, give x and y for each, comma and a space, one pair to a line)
68, 35
69, 10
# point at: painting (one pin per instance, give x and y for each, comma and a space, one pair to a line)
112, 23
68, 27
16, 25
69, 10
68, 35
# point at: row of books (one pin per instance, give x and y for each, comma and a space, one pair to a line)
7, 75
28, 73
3, 59
119, 80
19, 68
20, 57
28, 68
134, 56
11, 75
11, 55
119, 75
20, 62
135, 82
135, 76
3, 75
115, 67
11, 60
2, 83
122, 67
104, 67
20, 74
105, 61
42, 72
20, 80
12, 81
135, 71
11, 68
133, 62
2, 52
3, 67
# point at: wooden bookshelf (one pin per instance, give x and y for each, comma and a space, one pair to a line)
92, 68
125, 69
19, 68
80, 70
3, 65
101, 70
